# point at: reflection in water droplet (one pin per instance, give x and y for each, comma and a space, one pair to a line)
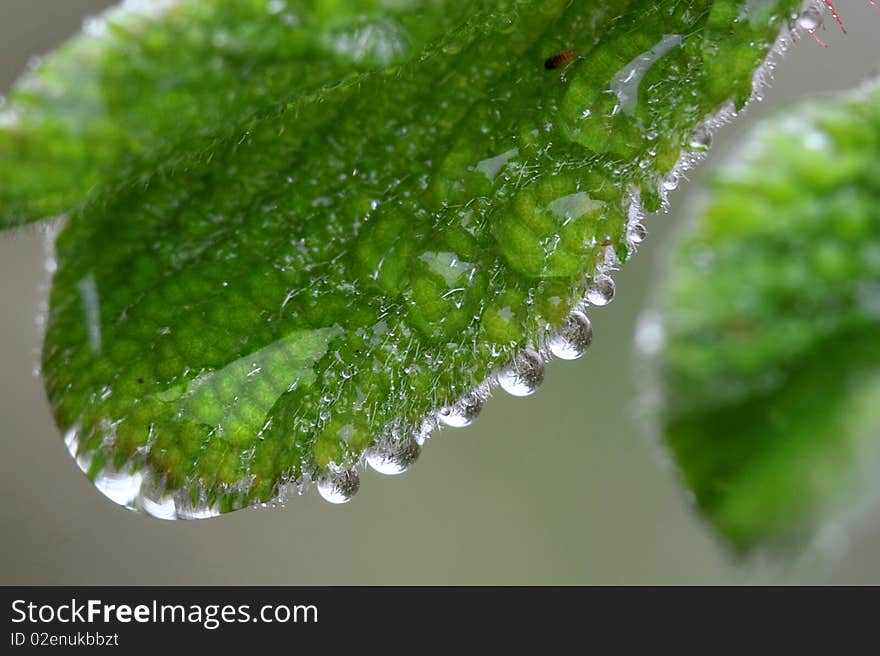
394, 458
573, 339
121, 487
524, 375
186, 509
339, 486
162, 508
636, 233
810, 19
154, 501
71, 440
462, 413
601, 292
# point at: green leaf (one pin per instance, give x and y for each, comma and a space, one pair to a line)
241, 307
153, 79
771, 308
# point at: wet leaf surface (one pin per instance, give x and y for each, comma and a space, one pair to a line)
301, 232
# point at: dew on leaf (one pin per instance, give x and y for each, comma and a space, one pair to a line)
524, 375
395, 457
187, 509
461, 413
670, 183
154, 501
438, 215
573, 339
636, 233
122, 487
601, 291
810, 19
339, 485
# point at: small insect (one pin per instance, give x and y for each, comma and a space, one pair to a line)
560, 59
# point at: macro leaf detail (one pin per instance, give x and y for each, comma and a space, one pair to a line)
292, 248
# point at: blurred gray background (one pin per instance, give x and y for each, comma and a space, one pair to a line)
483, 505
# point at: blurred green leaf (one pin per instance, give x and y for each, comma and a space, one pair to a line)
771, 308
295, 239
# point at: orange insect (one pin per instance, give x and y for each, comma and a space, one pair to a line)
560, 59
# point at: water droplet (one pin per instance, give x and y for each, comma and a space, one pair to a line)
524, 375
121, 487
394, 458
636, 233
625, 85
154, 501
573, 339
701, 139
670, 183
462, 413
339, 486
810, 19
186, 509
601, 292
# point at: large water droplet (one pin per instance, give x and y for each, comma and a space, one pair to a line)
573, 339
523, 375
461, 413
154, 501
187, 509
121, 487
810, 19
601, 291
636, 233
394, 458
339, 486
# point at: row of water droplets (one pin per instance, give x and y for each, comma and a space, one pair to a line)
396, 451
523, 375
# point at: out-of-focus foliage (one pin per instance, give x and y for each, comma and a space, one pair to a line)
771, 308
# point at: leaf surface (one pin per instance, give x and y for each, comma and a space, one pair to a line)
290, 244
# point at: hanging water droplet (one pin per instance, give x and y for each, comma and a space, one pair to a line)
636, 233
601, 291
701, 139
394, 458
154, 501
188, 509
574, 338
339, 486
523, 375
810, 19
670, 183
461, 413
121, 487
